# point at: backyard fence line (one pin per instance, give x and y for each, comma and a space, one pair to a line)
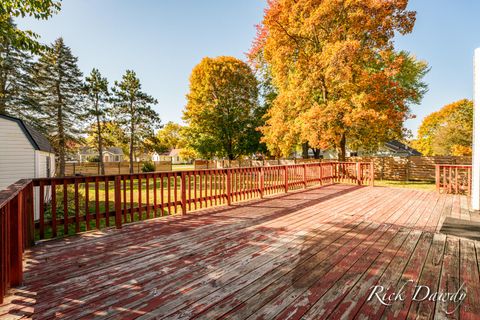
221, 164
47, 208
93, 168
412, 168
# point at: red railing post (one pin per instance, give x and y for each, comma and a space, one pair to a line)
372, 174
320, 169
286, 178
183, 193
358, 169
262, 181
304, 175
437, 177
16, 241
469, 174
118, 202
29, 216
229, 186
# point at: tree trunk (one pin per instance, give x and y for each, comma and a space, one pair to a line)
99, 140
131, 151
132, 135
305, 150
61, 132
61, 142
342, 148
316, 153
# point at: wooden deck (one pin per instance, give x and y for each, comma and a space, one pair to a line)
311, 254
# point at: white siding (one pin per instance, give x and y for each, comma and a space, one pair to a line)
41, 170
17, 155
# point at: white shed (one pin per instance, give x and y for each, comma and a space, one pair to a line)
24, 152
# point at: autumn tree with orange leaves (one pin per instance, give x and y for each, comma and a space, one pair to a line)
338, 78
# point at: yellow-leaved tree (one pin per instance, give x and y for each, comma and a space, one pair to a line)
447, 131
338, 78
222, 110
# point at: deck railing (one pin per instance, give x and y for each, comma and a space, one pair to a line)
53, 207
453, 178
16, 232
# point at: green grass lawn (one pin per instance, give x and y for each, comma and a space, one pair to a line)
182, 167
421, 185
99, 198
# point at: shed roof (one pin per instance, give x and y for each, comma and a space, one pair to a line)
398, 146
37, 139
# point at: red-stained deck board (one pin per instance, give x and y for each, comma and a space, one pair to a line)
430, 277
305, 254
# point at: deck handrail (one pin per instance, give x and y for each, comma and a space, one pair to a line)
46, 208
453, 178
16, 232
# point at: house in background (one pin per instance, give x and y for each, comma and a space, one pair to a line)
172, 155
156, 157
110, 154
24, 152
176, 157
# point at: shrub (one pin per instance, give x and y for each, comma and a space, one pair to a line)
148, 166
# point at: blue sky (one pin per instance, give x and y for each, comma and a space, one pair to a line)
163, 40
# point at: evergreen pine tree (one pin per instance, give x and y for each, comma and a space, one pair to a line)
133, 111
15, 81
96, 90
59, 95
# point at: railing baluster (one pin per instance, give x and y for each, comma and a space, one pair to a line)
183, 193
140, 205
229, 186
97, 205
175, 187
77, 209
195, 196
87, 205
155, 195
169, 193
147, 196
107, 202
65, 207
125, 202
53, 209
118, 202
200, 188
162, 196
42, 209
132, 214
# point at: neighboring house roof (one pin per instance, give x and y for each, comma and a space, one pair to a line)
91, 151
38, 140
399, 147
115, 150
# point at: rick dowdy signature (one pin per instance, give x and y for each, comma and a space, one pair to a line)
420, 293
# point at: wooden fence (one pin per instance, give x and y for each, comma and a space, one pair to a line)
93, 168
221, 164
455, 179
414, 168
70, 205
